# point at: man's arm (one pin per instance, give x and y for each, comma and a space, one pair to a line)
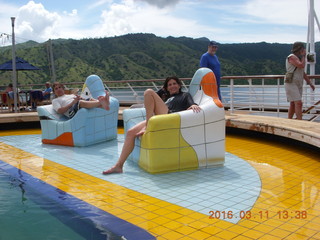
63, 109
203, 61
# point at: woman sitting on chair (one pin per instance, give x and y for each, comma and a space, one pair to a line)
154, 105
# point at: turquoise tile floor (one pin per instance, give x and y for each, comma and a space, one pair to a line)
233, 187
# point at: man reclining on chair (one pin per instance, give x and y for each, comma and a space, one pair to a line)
69, 104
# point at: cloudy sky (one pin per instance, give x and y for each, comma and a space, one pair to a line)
226, 21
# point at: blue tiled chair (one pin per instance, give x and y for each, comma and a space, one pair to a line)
87, 127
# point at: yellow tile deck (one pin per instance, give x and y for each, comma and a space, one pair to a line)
288, 206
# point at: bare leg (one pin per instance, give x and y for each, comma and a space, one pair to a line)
89, 104
103, 102
153, 104
291, 110
298, 109
126, 149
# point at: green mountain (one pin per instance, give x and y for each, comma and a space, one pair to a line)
141, 56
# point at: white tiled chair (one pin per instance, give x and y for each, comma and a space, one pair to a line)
184, 140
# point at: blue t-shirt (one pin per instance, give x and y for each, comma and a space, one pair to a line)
213, 63
46, 93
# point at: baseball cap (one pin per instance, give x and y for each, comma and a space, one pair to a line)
213, 43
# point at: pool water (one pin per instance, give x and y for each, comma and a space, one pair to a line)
25, 213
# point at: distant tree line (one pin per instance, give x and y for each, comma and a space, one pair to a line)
142, 56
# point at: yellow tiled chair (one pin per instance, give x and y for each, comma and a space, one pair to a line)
184, 140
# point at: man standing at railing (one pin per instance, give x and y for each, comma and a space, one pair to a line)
210, 60
295, 75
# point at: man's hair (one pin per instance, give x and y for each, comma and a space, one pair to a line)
57, 84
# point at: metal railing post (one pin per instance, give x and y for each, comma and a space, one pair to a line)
231, 94
108, 89
134, 93
262, 83
184, 85
250, 94
155, 86
278, 98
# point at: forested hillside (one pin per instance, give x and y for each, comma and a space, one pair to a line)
141, 56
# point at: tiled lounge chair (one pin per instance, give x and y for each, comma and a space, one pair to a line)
184, 140
88, 126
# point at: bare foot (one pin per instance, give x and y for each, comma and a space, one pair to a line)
107, 99
142, 131
104, 101
114, 169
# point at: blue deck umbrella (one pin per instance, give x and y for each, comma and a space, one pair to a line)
21, 65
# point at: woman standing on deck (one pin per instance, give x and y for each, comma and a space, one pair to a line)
154, 105
295, 64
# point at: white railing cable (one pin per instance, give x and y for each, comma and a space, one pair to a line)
134, 93
268, 95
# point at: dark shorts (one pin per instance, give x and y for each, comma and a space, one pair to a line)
73, 110
36, 95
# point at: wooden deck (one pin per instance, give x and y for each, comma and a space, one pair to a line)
303, 131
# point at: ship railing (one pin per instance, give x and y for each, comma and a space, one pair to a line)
264, 93
259, 93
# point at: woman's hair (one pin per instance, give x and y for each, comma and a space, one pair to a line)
297, 46
57, 84
165, 85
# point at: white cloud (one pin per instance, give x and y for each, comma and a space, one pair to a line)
290, 12
35, 22
99, 3
129, 17
224, 21
281, 21
73, 13
6, 11
116, 20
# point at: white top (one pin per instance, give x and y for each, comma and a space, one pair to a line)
62, 101
297, 72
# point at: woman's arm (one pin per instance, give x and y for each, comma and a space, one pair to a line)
307, 79
192, 104
298, 62
195, 108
